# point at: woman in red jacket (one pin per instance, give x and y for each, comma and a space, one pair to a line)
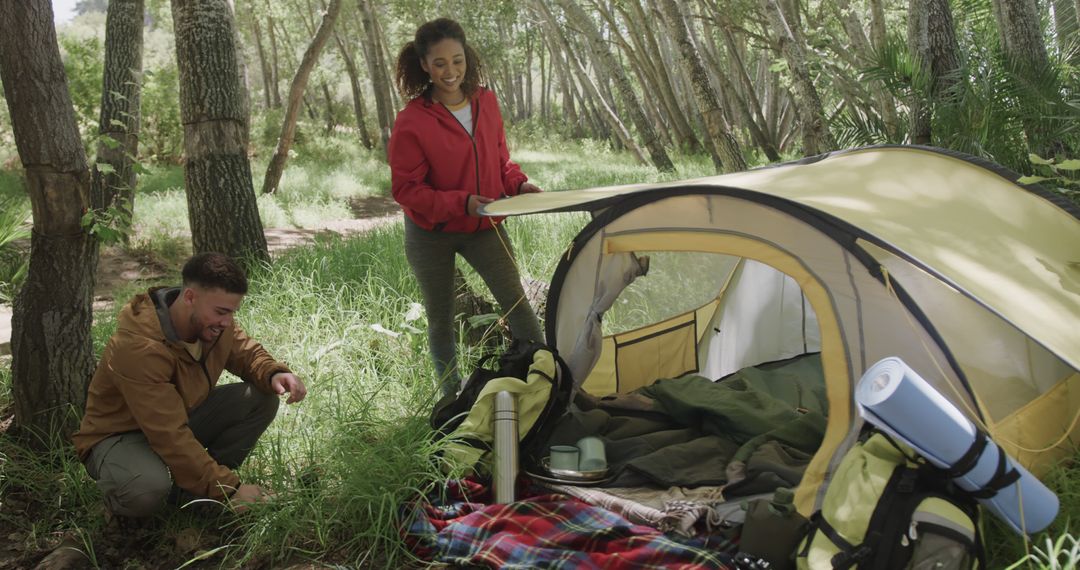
448, 157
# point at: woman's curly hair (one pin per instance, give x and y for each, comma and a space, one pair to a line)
411, 79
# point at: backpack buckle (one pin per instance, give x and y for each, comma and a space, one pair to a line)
847, 559
907, 481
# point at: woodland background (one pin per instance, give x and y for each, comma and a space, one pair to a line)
143, 130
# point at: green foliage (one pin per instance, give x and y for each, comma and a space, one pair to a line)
161, 136
1062, 177
14, 233
1054, 548
84, 64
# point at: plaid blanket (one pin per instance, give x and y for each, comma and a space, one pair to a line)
544, 531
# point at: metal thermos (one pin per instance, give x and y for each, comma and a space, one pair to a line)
505, 430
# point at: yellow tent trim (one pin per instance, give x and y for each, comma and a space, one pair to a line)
1025, 432
833, 355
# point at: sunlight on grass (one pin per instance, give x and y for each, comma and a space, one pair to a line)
346, 460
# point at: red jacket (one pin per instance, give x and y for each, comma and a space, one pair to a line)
435, 164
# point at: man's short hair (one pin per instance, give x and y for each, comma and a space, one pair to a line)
215, 270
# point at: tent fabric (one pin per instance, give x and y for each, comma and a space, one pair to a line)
1012, 251
971, 279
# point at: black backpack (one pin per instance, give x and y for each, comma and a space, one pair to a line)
450, 411
919, 520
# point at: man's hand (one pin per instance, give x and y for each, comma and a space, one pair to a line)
474, 203
246, 495
528, 188
287, 382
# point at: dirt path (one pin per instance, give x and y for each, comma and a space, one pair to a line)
117, 267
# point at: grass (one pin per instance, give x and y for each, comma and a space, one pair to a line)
345, 460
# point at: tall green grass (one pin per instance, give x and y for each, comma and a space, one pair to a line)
344, 461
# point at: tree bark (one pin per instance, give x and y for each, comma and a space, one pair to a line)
1021, 37
770, 145
264, 63
119, 123
932, 40
275, 68
52, 354
608, 115
357, 92
380, 81
643, 37
815, 130
296, 93
727, 148
222, 208
602, 57
865, 50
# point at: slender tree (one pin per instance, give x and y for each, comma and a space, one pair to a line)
1020, 27
716, 123
815, 130
608, 115
603, 58
52, 354
932, 40
217, 175
264, 62
359, 108
114, 175
296, 93
275, 67
377, 68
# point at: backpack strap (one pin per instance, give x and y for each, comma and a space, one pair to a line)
970, 457
850, 554
1003, 476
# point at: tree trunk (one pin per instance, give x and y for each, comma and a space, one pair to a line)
602, 57
380, 81
815, 131
119, 123
264, 63
357, 91
727, 148
221, 201
932, 40
865, 50
275, 68
1021, 36
750, 96
645, 40
296, 93
52, 354
588, 84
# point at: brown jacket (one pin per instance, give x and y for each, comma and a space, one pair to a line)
147, 381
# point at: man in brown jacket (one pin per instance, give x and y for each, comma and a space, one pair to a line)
156, 423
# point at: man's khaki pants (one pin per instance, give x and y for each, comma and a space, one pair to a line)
135, 481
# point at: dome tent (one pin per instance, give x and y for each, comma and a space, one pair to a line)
938, 258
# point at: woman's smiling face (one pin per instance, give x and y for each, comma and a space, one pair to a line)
445, 65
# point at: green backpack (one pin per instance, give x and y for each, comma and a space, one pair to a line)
887, 508
540, 383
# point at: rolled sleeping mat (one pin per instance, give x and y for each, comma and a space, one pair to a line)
901, 403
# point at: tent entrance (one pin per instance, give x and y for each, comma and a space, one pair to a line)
713, 303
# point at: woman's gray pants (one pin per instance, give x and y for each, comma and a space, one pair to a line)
431, 255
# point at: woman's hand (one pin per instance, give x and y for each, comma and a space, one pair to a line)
474, 203
528, 188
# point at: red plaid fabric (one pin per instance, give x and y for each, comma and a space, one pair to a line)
544, 531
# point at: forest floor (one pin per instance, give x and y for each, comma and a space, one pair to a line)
151, 546
118, 267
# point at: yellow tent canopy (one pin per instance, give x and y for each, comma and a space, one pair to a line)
935, 257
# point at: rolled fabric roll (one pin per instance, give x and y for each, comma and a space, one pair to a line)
901, 403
